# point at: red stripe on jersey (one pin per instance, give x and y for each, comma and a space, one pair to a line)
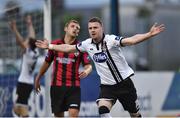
59, 70
66, 66
69, 70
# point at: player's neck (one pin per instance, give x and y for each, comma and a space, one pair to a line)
99, 39
69, 39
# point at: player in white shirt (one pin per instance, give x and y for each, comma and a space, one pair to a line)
114, 72
26, 78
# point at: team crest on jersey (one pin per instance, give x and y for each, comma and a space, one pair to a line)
118, 38
100, 57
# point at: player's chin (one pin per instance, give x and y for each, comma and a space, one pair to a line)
93, 37
73, 36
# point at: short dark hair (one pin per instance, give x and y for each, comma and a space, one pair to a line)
96, 19
71, 21
32, 42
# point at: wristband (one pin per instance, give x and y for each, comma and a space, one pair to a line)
50, 46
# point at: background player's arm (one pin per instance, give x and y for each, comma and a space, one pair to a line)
43, 69
19, 38
44, 44
155, 30
31, 31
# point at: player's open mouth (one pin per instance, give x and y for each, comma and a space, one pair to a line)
74, 33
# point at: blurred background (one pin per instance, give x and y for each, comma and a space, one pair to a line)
155, 61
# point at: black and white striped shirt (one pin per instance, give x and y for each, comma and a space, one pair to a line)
109, 60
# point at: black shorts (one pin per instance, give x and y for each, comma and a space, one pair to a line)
63, 98
23, 92
124, 91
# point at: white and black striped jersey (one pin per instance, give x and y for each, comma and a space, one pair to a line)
109, 60
28, 65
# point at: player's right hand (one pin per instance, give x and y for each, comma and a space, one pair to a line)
37, 86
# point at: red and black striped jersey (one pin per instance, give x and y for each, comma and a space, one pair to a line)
66, 66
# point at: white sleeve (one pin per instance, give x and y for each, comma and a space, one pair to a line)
81, 46
117, 41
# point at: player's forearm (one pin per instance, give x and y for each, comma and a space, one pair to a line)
43, 69
19, 38
136, 39
62, 48
88, 68
141, 37
31, 32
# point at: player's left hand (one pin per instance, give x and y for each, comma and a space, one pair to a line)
83, 74
156, 29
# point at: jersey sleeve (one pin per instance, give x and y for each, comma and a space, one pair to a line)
49, 56
81, 46
86, 59
117, 40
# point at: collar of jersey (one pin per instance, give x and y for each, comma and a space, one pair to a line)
99, 41
75, 41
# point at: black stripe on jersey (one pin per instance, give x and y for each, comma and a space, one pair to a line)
107, 62
64, 69
115, 69
55, 71
114, 65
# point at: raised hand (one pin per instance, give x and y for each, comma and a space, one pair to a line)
156, 29
42, 44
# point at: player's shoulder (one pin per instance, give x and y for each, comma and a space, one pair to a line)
112, 36
87, 41
109, 37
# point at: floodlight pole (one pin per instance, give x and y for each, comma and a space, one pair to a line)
114, 17
47, 35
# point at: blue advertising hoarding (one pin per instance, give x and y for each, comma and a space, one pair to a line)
89, 94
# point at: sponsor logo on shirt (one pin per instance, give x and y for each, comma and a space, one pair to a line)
65, 60
118, 38
100, 57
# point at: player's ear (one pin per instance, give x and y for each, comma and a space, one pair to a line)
65, 29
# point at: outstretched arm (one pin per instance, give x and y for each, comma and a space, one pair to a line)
44, 44
19, 38
155, 30
31, 31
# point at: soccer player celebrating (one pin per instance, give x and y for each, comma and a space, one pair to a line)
114, 71
26, 78
65, 85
